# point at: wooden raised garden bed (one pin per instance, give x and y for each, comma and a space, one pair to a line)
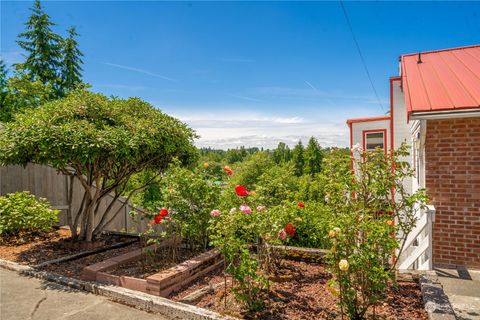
160, 284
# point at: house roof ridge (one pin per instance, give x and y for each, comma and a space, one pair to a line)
440, 50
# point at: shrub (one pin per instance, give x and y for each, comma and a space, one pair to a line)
373, 217
22, 212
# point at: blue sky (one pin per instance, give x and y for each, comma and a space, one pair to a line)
251, 73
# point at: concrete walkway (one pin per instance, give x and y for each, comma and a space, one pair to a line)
462, 287
24, 298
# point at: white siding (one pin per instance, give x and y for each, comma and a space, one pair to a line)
359, 127
401, 127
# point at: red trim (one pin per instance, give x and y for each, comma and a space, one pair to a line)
351, 136
355, 120
351, 146
384, 131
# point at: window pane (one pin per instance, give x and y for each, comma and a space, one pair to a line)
374, 140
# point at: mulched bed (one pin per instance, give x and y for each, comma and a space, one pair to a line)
150, 265
211, 278
47, 247
74, 268
299, 291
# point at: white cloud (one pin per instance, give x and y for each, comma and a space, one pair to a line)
250, 129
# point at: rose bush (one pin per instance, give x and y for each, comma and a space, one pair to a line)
372, 214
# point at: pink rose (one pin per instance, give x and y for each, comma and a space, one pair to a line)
215, 213
245, 209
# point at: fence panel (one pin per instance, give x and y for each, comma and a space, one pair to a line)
46, 182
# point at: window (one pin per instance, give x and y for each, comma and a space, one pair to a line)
374, 140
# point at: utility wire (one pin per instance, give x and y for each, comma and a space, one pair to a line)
360, 54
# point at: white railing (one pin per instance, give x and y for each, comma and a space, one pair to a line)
417, 254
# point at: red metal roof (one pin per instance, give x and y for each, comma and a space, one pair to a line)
367, 119
445, 80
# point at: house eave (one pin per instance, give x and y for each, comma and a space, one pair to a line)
447, 114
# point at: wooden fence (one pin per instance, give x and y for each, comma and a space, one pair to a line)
46, 182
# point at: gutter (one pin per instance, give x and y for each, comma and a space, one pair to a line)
449, 114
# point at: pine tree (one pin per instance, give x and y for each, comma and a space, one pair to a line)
313, 157
297, 158
71, 64
43, 47
3, 83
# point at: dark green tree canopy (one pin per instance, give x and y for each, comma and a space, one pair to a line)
298, 159
3, 83
71, 62
313, 157
43, 47
282, 154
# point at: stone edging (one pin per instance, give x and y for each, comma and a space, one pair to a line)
138, 300
436, 301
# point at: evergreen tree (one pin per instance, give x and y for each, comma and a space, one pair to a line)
71, 64
313, 157
3, 83
298, 159
43, 47
282, 153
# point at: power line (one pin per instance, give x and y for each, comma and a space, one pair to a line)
360, 54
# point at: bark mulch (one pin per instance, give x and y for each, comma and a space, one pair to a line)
299, 291
45, 247
74, 268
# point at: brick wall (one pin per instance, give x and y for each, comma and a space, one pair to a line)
452, 171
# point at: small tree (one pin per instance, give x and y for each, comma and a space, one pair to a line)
101, 142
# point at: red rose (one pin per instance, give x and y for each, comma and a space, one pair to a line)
157, 219
241, 191
163, 212
301, 205
290, 229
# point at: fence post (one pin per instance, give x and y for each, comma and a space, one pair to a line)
429, 232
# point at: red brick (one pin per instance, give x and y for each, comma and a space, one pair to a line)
452, 155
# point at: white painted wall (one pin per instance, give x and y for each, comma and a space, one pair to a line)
401, 128
358, 127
